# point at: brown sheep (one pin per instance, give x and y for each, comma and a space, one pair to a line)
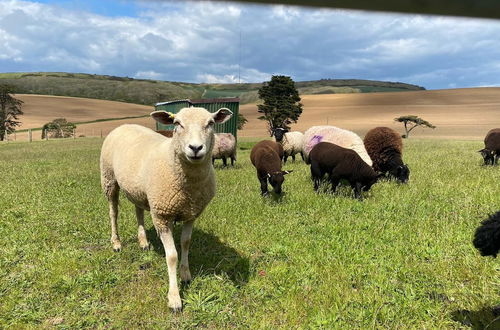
385, 147
266, 156
166, 133
491, 151
487, 236
340, 163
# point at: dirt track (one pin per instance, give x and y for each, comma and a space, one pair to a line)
457, 113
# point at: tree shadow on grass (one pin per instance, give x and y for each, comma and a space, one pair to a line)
207, 254
485, 318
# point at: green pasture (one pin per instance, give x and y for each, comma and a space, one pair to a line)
400, 259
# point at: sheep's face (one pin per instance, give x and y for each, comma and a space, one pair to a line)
194, 131
401, 173
276, 180
279, 133
488, 156
370, 181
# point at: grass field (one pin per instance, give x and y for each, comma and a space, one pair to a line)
401, 259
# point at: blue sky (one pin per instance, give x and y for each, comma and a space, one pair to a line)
199, 41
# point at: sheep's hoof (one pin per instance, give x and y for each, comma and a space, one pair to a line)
176, 310
186, 284
145, 247
117, 249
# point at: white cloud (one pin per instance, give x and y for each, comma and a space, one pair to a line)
200, 42
149, 75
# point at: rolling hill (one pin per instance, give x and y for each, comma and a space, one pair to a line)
149, 92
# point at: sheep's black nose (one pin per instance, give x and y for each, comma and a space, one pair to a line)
195, 148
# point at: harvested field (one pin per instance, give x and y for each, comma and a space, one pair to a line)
458, 113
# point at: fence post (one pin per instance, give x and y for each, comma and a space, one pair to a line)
46, 134
74, 133
30, 136
101, 133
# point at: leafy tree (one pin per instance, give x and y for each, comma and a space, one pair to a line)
412, 121
10, 109
281, 102
58, 128
241, 121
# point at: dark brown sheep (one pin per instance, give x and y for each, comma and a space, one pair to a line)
487, 236
266, 157
385, 147
341, 163
491, 151
166, 133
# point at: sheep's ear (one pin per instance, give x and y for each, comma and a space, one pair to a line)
286, 172
222, 115
163, 117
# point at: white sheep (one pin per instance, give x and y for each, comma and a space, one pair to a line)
224, 147
292, 142
173, 178
335, 135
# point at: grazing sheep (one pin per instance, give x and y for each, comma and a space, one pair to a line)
166, 133
292, 142
491, 151
340, 163
266, 157
224, 147
487, 236
172, 178
385, 146
335, 135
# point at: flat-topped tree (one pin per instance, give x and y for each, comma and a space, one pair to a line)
412, 121
10, 109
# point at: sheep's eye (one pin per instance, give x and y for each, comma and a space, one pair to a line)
178, 126
210, 124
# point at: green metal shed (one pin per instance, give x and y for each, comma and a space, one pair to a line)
212, 105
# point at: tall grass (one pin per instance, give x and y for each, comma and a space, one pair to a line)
402, 258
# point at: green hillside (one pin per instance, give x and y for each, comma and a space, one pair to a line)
148, 92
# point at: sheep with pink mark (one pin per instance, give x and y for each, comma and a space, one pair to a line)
224, 147
335, 135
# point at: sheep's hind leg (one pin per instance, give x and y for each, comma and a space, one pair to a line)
166, 236
112, 192
187, 229
141, 233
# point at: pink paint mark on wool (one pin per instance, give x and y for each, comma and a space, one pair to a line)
314, 141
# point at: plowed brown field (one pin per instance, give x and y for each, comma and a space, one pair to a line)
458, 113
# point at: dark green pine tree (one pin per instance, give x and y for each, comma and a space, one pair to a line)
281, 104
10, 110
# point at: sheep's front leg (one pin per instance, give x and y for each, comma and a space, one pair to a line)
141, 233
263, 185
187, 229
166, 236
357, 190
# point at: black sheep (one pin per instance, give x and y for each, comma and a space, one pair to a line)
266, 157
491, 151
341, 163
385, 147
487, 236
